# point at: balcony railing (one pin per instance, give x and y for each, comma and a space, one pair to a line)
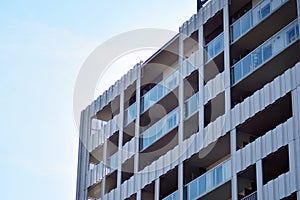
191, 105
159, 91
252, 196
130, 114
209, 181
253, 17
265, 52
214, 47
112, 162
159, 129
173, 196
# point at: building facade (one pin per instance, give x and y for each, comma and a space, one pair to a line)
214, 114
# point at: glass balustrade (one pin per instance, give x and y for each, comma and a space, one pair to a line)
253, 17
209, 181
173, 196
191, 105
159, 129
214, 47
112, 163
130, 113
265, 52
159, 91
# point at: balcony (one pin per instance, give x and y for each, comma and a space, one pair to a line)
214, 47
159, 129
209, 181
173, 196
265, 52
130, 114
253, 17
252, 196
159, 91
112, 163
191, 105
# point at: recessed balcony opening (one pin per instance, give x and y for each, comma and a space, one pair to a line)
169, 183
261, 123
130, 95
207, 174
191, 85
130, 111
164, 61
275, 164
214, 47
247, 184
191, 125
127, 169
291, 197
132, 197
128, 134
148, 192
190, 45
256, 16
214, 109
157, 144
220, 192
239, 8
213, 27
94, 191
111, 182
265, 63
158, 109
109, 111
207, 159
96, 156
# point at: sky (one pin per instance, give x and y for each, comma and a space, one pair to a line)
43, 45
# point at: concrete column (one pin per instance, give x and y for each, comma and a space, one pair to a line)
180, 181
181, 107
227, 63
259, 180
156, 189
121, 128
201, 77
104, 161
139, 195
137, 132
234, 187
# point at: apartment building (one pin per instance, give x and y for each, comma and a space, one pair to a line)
213, 115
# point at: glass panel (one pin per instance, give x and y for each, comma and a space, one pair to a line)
215, 46
265, 11
247, 65
267, 51
256, 58
246, 22
236, 30
237, 72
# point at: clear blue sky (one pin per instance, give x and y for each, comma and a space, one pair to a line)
42, 47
